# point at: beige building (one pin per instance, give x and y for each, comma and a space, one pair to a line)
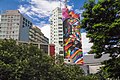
35, 35
13, 25
44, 47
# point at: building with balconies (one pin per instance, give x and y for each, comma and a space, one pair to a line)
56, 31
35, 35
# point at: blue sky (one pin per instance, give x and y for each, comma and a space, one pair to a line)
35, 9
39, 11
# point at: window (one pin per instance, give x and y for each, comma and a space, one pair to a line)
59, 27
60, 31
68, 60
2, 20
23, 19
60, 38
23, 26
60, 35
2, 15
17, 23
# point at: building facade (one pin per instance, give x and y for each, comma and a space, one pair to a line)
42, 46
72, 37
35, 35
92, 65
56, 31
13, 25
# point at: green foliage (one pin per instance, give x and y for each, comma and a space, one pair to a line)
112, 65
102, 22
27, 62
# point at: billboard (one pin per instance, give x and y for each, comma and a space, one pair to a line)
72, 37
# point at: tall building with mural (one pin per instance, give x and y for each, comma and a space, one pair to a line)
65, 35
72, 37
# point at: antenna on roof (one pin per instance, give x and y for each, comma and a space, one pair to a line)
65, 2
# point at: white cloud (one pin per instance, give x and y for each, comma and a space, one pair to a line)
46, 30
23, 9
40, 8
41, 24
79, 11
86, 46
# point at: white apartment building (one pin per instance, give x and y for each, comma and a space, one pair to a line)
56, 31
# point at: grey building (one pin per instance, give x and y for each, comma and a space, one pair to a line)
13, 25
42, 46
92, 65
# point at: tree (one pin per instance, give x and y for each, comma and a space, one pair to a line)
22, 62
102, 22
27, 62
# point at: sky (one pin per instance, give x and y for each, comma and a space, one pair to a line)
39, 11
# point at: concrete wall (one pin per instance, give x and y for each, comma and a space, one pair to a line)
92, 65
24, 29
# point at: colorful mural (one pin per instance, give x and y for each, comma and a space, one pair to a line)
72, 37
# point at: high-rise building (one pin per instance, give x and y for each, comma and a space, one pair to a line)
72, 37
13, 25
56, 31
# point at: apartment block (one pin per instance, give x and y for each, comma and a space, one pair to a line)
56, 31
14, 25
35, 35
